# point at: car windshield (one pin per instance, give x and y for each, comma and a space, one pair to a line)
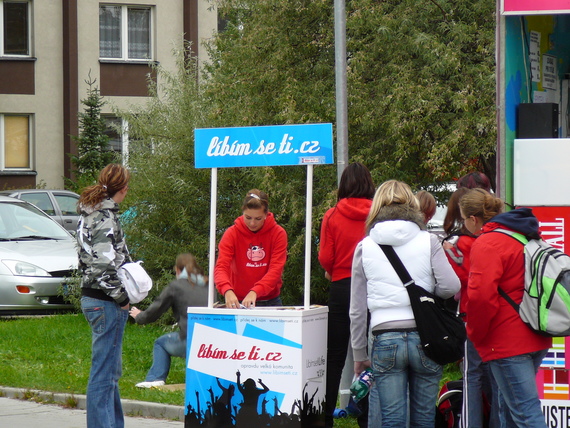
20, 221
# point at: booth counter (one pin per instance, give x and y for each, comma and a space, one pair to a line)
256, 367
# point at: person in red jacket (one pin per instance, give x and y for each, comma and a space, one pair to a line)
513, 351
342, 228
477, 380
251, 256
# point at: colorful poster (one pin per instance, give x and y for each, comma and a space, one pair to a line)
309, 144
256, 368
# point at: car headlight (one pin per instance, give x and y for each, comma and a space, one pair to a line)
20, 268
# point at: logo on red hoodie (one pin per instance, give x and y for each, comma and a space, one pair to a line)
255, 253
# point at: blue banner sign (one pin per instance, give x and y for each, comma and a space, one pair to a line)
263, 146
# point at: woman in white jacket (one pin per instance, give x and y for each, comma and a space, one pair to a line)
401, 369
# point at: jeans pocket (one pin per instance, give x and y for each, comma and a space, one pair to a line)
384, 357
427, 362
96, 318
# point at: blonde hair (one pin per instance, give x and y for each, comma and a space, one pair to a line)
480, 203
391, 192
112, 178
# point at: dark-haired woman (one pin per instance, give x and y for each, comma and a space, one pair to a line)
251, 256
341, 230
104, 300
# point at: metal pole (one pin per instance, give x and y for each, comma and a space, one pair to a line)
212, 258
308, 229
340, 79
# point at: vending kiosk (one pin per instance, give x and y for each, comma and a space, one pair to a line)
258, 367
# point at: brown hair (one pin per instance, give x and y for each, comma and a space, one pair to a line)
188, 261
453, 223
254, 200
480, 203
427, 204
112, 178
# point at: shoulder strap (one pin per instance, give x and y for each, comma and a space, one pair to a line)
523, 240
515, 235
397, 264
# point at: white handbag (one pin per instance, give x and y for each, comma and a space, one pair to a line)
136, 281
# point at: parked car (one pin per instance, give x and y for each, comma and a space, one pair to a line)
61, 205
36, 255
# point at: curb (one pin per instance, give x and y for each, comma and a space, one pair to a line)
130, 407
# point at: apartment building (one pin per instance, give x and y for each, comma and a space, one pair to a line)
50, 48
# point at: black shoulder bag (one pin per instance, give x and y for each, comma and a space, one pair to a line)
442, 332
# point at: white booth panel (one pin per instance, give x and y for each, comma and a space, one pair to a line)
541, 172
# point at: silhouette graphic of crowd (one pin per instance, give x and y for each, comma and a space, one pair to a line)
224, 410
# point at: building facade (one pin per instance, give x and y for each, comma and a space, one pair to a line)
49, 49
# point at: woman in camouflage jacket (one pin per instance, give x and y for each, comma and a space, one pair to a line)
104, 300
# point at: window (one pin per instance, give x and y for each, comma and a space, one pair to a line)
117, 131
15, 141
125, 32
67, 203
40, 200
15, 26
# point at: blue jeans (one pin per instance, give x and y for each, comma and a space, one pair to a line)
169, 345
516, 380
276, 301
402, 371
477, 382
107, 321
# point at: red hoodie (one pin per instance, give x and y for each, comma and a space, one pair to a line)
342, 228
249, 261
494, 327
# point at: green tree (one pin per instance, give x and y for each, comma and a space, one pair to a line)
93, 151
421, 109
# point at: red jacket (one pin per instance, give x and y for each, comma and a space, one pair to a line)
342, 228
494, 327
458, 257
251, 261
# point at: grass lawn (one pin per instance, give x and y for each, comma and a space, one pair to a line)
53, 354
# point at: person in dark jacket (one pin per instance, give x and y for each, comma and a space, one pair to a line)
188, 289
513, 351
343, 228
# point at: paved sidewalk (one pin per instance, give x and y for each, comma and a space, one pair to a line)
17, 413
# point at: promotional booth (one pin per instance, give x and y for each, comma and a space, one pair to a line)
258, 367
533, 75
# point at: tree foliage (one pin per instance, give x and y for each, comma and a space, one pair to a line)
93, 152
421, 109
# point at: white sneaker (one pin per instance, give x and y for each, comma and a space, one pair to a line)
152, 384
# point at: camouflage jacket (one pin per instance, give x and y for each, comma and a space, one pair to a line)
102, 250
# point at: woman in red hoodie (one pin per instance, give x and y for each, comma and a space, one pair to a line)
343, 227
512, 350
251, 256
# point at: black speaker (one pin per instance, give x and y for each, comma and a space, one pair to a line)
537, 120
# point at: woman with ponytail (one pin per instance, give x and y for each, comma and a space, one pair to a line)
188, 289
104, 300
512, 350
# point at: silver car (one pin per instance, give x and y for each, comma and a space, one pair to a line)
36, 255
61, 205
